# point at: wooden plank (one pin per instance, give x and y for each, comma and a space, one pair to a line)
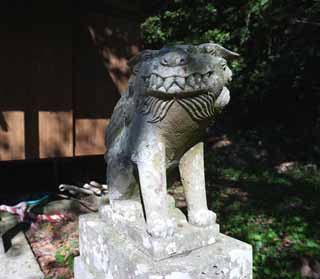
55, 134
90, 136
12, 143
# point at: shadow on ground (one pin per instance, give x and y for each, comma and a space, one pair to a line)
274, 210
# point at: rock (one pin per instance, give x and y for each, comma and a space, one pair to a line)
156, 127
110, 251
128, 217
285, 167
18, 262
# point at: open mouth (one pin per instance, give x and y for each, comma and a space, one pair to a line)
193, 84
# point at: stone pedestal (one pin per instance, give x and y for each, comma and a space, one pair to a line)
18, 262
1, 244
7, 221
115, 245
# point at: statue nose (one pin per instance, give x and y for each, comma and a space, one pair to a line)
173, 59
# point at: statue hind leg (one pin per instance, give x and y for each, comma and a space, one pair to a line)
121, 180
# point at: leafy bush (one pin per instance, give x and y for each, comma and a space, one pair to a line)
277, 213
275, 101
276, 84
66, 254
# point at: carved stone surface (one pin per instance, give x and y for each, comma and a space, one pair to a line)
128, 217
157, 127
106, 252
18, 262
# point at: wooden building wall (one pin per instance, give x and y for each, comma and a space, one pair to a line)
60, 78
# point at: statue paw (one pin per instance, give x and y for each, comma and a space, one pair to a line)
202, 218
161, 227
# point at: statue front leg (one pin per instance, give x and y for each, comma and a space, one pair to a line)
192, 176
153, 186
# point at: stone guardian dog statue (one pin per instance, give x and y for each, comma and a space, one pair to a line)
158, 126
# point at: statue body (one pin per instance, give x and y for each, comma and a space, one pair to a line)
157, 127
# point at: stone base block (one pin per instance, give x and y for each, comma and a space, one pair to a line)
1, 245
107, 253
18, 261
127, 217
7, 221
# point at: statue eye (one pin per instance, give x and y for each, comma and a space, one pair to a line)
165, 61
209, 49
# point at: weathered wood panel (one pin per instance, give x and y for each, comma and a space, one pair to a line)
51, 68
51, 89
62, 81
56, 134
12, 135
90, 136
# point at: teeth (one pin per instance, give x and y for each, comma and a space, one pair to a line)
159, 82
188, 88
176, 84
181, 82
174, 89
205, 78
212, 80
147, 80
162, 89
197, 80
153, 79
168, 82
191, 81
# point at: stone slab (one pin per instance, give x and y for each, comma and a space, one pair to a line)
7, 221
18, 262
106, 253
127, 216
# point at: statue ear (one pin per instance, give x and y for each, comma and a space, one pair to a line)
225, 53
218, 50
141, 56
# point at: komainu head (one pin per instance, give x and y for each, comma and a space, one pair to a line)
182, 71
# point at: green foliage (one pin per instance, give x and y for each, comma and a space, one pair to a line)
275, 93
66, 254
277, 213
177, 25
276, 84
152, 29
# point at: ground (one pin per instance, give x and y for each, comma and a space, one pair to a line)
54, 246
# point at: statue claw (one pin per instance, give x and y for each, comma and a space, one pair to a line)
202, 218
161, 227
